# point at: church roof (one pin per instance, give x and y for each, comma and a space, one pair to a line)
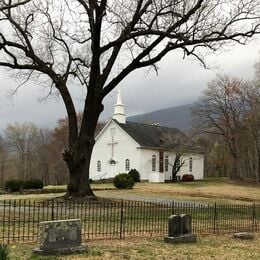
155, 136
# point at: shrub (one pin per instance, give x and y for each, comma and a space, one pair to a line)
187, 177
124, 181
14, 185
135, 175
33, 184
4, 252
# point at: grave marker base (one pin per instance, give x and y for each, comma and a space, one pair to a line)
187, 238
61, 251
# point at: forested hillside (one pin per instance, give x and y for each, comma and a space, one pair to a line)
178, 117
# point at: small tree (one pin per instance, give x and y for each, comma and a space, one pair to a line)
177, 164
23, 139
181, 144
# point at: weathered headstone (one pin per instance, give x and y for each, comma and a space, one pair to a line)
180, 230
60, 237
185, 224
174, 222
244, 235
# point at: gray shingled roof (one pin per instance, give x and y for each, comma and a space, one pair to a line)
153, 136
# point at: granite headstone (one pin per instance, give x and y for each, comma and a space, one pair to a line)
180, 230
60, 237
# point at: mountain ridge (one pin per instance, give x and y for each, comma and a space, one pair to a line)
178, 117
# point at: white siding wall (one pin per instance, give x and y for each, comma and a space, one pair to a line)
124, 149
146, 165
140, 159
197, 165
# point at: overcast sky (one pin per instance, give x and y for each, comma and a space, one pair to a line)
178, 82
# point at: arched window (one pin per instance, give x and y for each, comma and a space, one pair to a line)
153, 163
166, 163
190, 164
99, 166
112, 162
127, 165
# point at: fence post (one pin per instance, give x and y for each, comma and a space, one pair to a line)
121, 234
215, 218
52, 209
254, 218
173, 207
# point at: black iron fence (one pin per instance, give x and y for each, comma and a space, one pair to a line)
19, 219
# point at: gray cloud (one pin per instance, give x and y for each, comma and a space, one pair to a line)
182, 81
179, 82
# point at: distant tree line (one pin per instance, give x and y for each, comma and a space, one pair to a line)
227, 119
27, 152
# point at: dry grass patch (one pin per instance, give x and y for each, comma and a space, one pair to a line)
35, 197
203, 189
198, 191
207, 247
208, 190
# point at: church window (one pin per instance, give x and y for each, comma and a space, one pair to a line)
153, 163
166, 163
190, 164
99, 166
112, 162
127, 164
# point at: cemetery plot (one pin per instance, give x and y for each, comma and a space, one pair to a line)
19, 220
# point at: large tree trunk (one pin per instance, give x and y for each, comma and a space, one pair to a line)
79, 185
234, 170
79, 155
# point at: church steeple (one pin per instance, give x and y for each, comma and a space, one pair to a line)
119, 108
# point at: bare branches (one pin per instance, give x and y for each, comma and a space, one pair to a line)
98, 43
8, 4
229, 108
165, 27
129, 34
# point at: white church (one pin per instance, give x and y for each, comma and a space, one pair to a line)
150, 149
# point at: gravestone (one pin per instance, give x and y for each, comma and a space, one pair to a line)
244, 235
60, 237
180, 230
174, 222
185, 224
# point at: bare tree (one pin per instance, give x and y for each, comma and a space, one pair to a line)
3, 158
96, 44
180, 144
251, 127
23, 139
229, 108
